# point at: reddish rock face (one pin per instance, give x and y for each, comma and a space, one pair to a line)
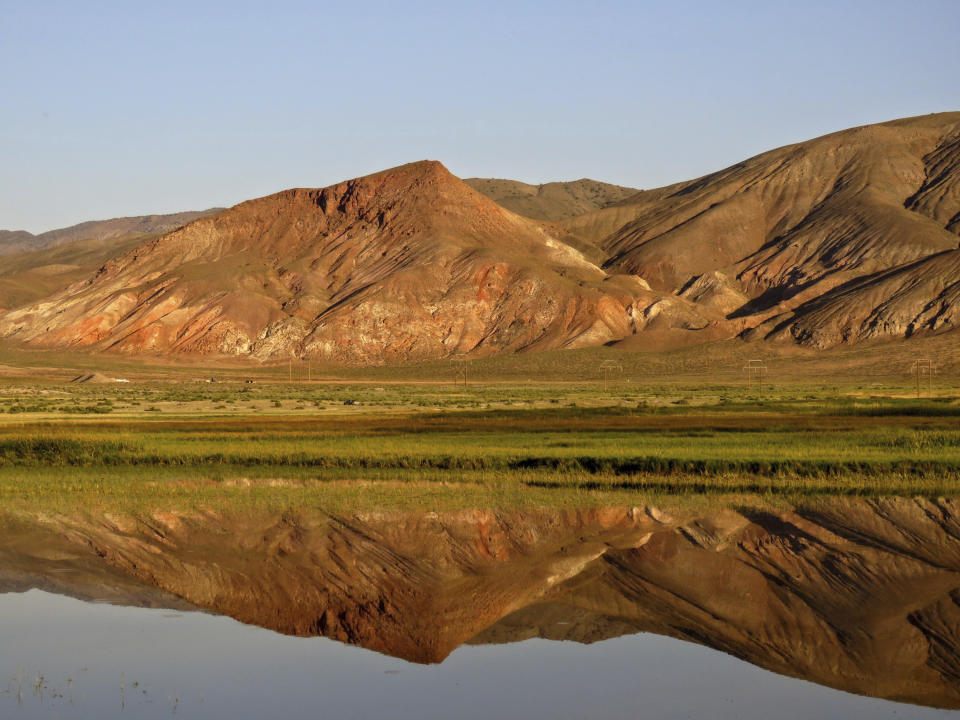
849, 237
406, 264
861, 595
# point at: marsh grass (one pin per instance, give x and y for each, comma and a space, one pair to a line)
696, 445
436, 445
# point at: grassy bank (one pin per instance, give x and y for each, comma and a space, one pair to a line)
532, 446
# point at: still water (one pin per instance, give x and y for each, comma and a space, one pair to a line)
846, 608
101, 661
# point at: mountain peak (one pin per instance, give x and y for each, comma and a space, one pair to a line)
411, 263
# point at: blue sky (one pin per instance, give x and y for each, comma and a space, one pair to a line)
125, 108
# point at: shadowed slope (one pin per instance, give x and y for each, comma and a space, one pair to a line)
794, 223
917, 299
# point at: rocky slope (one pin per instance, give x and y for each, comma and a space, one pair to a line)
33, 267
845, 238
911, 300
788, 227
861, 595
406, 264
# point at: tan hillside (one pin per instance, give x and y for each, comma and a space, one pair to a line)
22, 241
405, 264
792, 224
14, 240
551, 201
800, 214
26, 277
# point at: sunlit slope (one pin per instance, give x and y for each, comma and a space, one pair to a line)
405, 264
26, 277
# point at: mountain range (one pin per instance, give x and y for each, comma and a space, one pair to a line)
850, 237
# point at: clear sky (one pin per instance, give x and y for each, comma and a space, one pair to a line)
127, 108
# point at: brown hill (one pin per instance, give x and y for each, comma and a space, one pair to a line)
36, 266
792, 224
551, 201
920, 298
26, 277
848, 237
17, 241
404, 264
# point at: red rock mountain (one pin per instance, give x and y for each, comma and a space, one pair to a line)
405, 264
848, 237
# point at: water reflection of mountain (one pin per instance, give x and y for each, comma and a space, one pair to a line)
861, 595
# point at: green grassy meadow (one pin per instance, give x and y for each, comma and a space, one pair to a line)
378, 445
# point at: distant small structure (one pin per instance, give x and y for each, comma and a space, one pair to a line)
461, 370
606, 368
300, 375
756, 371
923, 369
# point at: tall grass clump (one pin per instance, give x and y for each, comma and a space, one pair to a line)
62, 451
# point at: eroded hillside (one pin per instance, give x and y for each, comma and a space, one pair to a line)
849, 237
406, 264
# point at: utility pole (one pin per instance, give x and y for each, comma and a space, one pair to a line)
923, 370
461, 370
606, 367
756, 371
